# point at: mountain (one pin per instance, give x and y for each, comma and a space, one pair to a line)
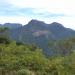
39, 33
59, 31
11, 25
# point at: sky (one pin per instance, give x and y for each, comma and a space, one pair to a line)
22, 11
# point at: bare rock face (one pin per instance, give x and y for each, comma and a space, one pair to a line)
40, 33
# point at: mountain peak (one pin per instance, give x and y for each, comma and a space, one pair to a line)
35, 22
56, 25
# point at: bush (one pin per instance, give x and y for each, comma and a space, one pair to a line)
23, 72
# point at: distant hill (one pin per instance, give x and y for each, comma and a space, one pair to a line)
39, 33
11, 25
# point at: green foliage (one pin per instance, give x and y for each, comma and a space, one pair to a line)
23, 59
63, 47
4, 40
2, 29
24, 72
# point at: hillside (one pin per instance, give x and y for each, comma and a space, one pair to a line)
38, 33
11, 25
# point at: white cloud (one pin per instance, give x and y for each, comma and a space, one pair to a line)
58, 6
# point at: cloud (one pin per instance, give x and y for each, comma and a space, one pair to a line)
58, 6
52, 6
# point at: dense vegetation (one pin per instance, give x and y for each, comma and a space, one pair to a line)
63, 47
23, 59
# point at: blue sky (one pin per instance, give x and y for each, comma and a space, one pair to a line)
22, 11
